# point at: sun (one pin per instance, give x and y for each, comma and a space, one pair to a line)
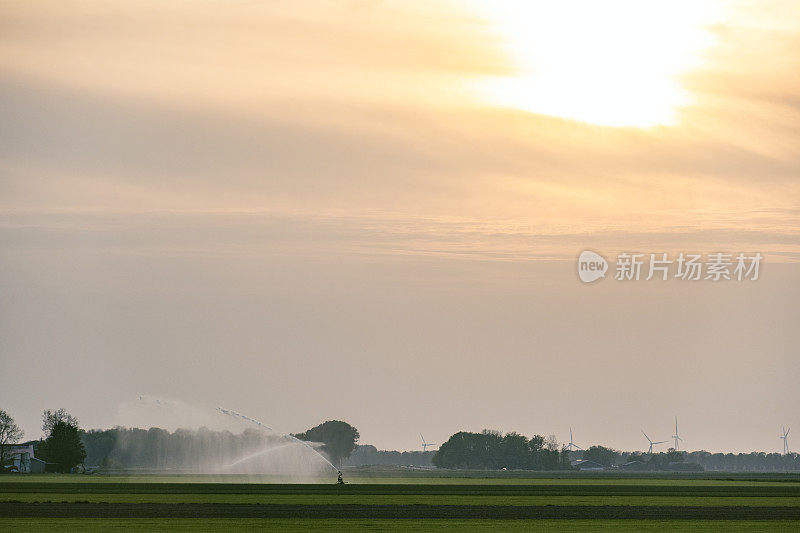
611, 62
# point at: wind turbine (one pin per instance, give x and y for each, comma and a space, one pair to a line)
675, 436
571, 444
650, 451
425, 444
785, 438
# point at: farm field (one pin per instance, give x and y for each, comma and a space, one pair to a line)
224, 524
592, 503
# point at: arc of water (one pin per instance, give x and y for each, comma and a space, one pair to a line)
262, 452
256, 422
234, 414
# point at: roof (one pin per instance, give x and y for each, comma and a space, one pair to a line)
583, 463
42, 461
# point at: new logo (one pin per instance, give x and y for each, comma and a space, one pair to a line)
591, 266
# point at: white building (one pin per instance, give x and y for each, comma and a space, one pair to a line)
22, 459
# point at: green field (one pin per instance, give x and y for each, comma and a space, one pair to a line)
376, 500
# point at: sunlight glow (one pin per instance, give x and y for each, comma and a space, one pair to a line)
613, 63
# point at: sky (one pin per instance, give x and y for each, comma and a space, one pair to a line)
372, 210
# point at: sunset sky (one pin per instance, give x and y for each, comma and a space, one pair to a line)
371, 211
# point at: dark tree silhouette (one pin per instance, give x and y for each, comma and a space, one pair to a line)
51, 418
601, 455
63, 446
9, 434
492, 450
339, 439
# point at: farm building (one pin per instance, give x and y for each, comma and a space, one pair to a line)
22, 460
587, 465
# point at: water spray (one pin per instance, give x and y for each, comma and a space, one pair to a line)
240, 416
258, 454
245, 418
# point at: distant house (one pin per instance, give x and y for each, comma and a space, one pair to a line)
587, 465
19, 457
635, 465
22, 460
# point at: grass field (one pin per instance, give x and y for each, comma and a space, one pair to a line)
224, 524
378, 500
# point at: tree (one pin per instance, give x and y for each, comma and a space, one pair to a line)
490, 450
601, 455
99, 444
469, 450
339, 439
10, 433
663, 461
63, 446
514, 451
675, 456
51, 418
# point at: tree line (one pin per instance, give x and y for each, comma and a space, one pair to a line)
204, 449
689, 461
65, 446
491, 450
159, 449
367, 454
